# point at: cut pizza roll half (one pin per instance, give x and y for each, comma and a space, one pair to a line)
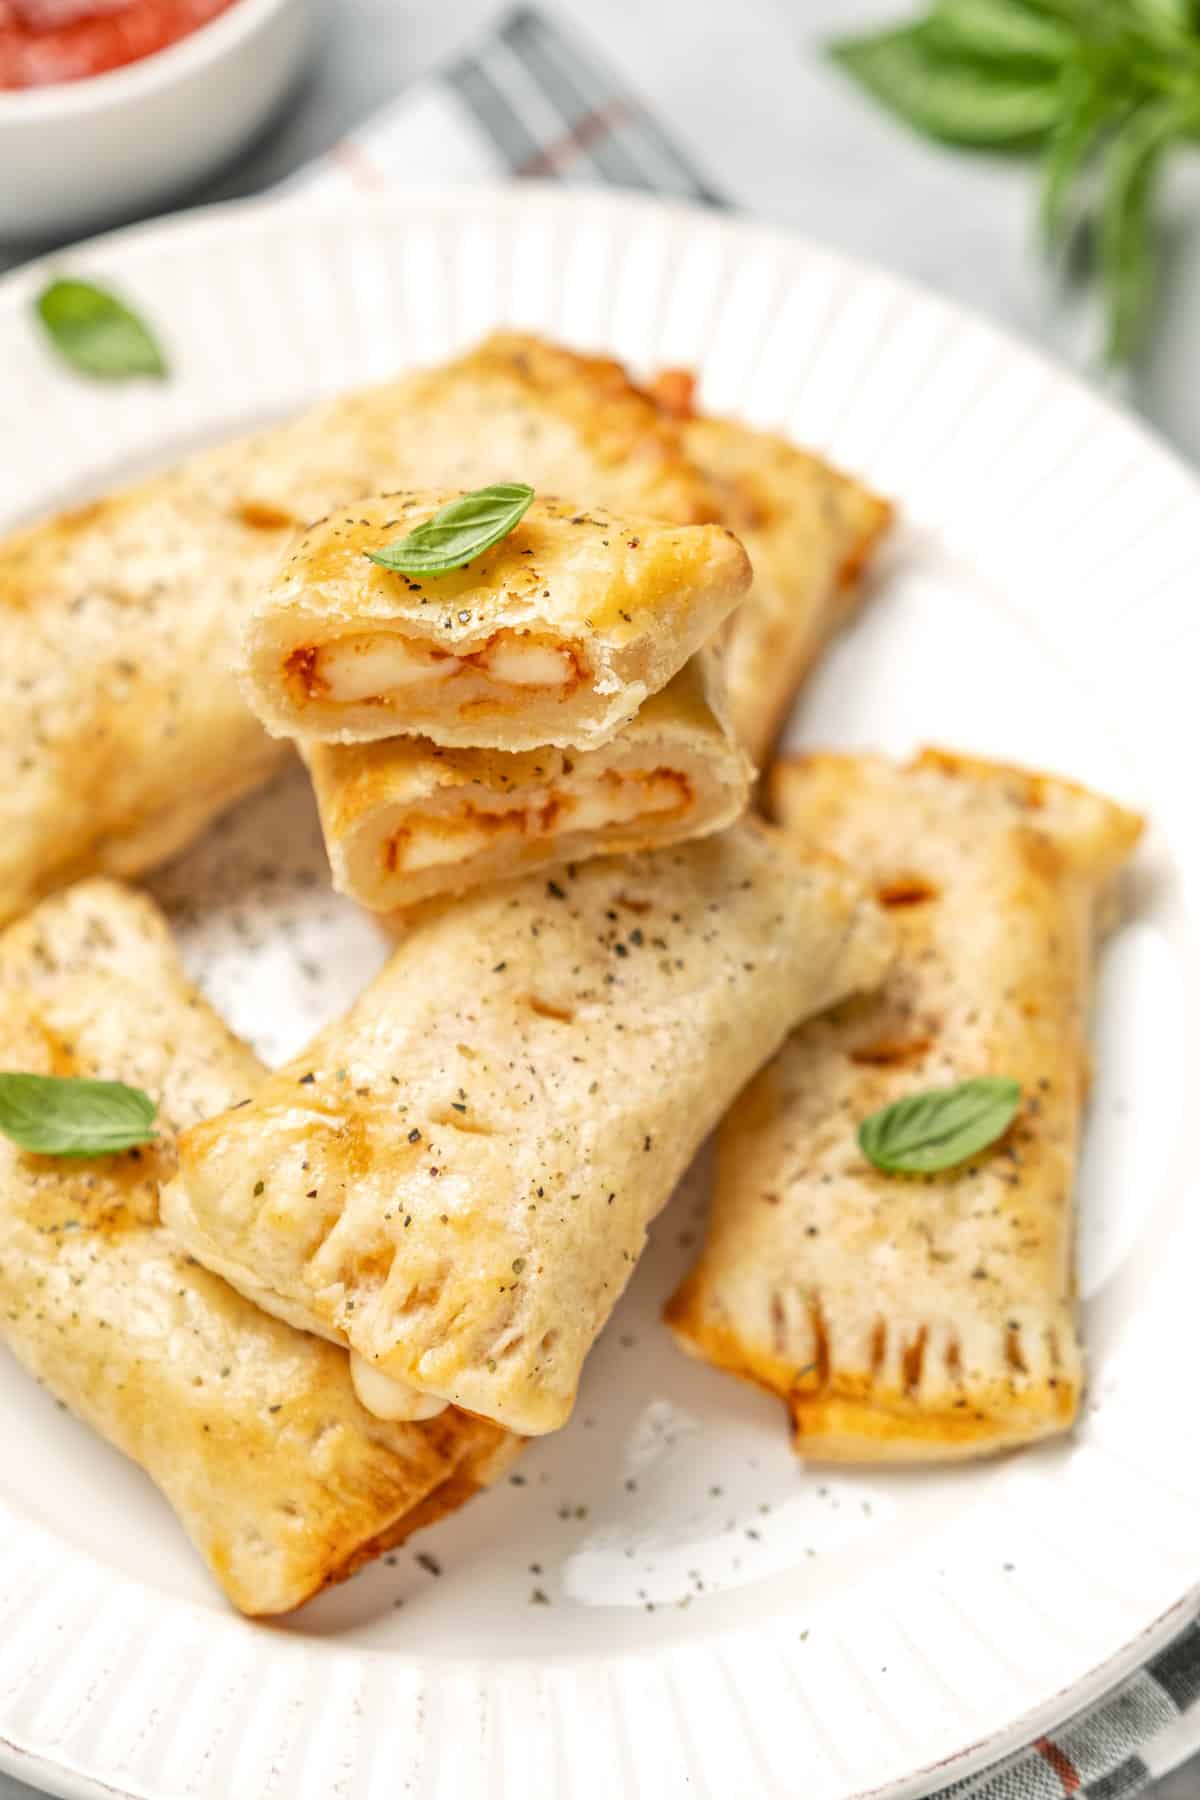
810, 531
920, 1317
456, 1179
553, 636
405, 819
253, 1431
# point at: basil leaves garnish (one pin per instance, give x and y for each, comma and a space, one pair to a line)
925, 1133
458, 532
96, 333
1104, 93
64, 1115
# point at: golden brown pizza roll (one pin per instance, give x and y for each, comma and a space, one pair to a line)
920, 1317
121, 733
252, 1430
405, 819
555, 635
810, 531
457, 1178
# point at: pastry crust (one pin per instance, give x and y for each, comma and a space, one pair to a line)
810, 531
457, 1178
121, 733
554, 636
931, 1318
405, 819
251, 1429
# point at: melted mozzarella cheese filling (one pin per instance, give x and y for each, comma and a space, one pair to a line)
388, 1398
516, 662
380, 666
588, 803
368, 667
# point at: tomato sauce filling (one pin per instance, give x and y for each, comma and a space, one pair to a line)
44, 42
611, 798
380, 669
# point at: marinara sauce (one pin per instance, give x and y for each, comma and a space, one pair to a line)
48, 41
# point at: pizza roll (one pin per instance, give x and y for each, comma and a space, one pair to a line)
810, 532
456, 1179
912, 1318
252, 1430
553, 636
405, 819
121, 732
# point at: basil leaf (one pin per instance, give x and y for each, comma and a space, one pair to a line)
60, 1115
1087, 111
949, 96
925, 1133
1174, 18
96, 334
1126, 246
1001, 30
459, 532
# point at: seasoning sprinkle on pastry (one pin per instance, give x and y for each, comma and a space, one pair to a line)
281, 1478
456, 1179
810, 532
552, 635
121, 732
926, 1315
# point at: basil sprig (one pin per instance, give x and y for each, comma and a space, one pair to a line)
1103, 89
925, 1133
64, 1115
96, 333
458, 532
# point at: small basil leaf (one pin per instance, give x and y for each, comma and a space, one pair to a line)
1000, 31
1126, 247
93, 331
945, 95
60, 1115
459, 532
925, 1133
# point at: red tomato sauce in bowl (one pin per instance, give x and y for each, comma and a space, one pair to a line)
47, 41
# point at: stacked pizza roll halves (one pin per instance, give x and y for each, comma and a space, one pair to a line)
594, 681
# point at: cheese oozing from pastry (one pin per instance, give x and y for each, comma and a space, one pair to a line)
389, 1398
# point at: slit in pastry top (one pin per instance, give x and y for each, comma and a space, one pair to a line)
554, 636
405, 819
917, 1318
456, 1179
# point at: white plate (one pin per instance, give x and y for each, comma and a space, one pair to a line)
723, 1620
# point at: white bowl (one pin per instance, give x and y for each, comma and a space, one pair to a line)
81, 153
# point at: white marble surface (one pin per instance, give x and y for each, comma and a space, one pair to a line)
746, 89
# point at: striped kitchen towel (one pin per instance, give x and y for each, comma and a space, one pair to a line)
529, 100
